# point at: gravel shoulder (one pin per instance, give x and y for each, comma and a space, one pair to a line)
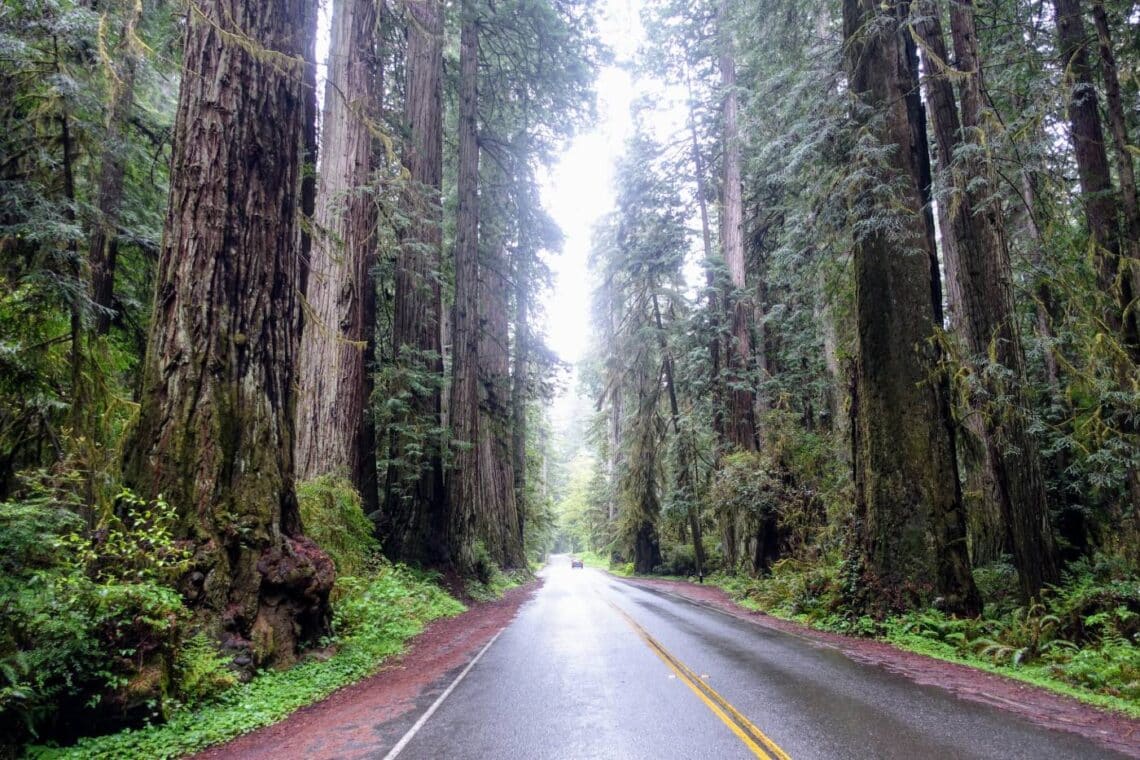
1112, 730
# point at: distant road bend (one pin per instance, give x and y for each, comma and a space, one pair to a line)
596, 668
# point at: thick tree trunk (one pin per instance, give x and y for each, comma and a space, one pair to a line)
984, 278
741, 424
1101, 200
215, 433
416, 506
103, 250
334, 424
468, 517
911, 526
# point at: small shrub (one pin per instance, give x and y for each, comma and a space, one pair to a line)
89, 623
200, 671
333, 515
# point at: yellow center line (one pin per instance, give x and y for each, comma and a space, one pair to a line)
744, 729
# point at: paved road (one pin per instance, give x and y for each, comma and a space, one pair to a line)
596, 668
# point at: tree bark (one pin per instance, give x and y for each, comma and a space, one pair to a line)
215, 432
988, 317
1101, 201
469, 520
334, 423
495, 455
416, 505
911, 528
741, 423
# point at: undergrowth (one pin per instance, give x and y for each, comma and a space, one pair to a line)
1082, 638
375, 613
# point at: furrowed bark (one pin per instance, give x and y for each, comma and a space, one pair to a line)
415, 514
911, 529
215, 432
468, 519
984, 279
334, 423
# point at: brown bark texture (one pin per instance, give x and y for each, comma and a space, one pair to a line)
1101, 200
416, 520
496, 464
467, 517
215, 431
740, 421
979, 259
908, 505
335, 433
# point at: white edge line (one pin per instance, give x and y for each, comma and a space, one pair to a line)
439, 701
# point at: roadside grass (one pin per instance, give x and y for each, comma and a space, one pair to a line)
1080, 640
375, 613
602, 562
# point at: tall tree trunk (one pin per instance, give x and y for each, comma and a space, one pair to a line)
741, 422
908, 502
495, 456
416, 504
1101, 200
710, 283
334, 424
684, 474
519, 376
215, 432
1131, 244
103, 249
988, 319
469, 520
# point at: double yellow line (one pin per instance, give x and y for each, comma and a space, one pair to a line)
753, 737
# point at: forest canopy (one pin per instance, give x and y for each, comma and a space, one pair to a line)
864, 327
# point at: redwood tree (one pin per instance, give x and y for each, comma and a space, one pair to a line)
415, 514
908, 501
215, 431
334, 424
466, 514
987, 315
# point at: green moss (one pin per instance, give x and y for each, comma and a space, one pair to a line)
332, 515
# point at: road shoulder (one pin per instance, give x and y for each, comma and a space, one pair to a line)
368, 717
1044, 708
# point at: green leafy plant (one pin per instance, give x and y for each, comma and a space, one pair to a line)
333, 516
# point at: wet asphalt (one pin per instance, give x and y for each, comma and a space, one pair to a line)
574, 677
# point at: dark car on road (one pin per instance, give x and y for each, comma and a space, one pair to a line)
575, 562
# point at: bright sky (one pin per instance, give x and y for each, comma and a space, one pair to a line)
579, 189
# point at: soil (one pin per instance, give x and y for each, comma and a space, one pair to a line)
369, 717
1112, 730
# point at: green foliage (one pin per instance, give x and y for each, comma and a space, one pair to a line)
375, 614
332, 515
200, 672
90, 621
